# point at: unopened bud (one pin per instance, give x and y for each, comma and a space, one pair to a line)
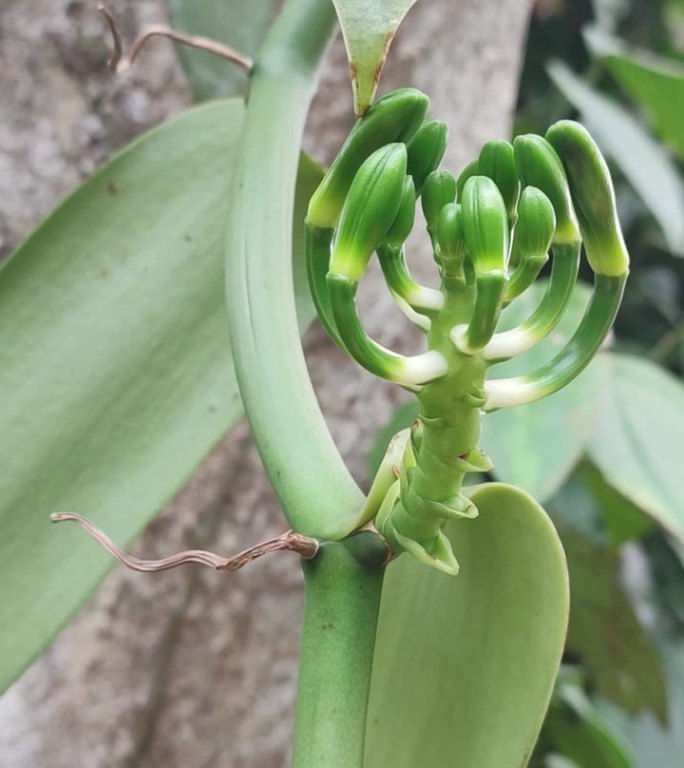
395, 117
485, 224
369, 210
536, 224
539, 166
439, 190
403, 222
497, 161
592, 192
450, 234
426, 150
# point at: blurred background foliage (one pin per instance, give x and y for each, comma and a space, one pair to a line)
605, 455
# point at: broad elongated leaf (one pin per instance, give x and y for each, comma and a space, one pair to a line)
643, 161
605, 631
232, 22
637, 441
654, 82
536, 446
368, 28
115, 370
464, 666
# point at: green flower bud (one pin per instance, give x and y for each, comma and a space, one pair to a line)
539, 166
426, 150
466, 173
395, 117
439, 190
592, 192
497, 161
450, 234
485, 224
403, 223
535, 226
369, 210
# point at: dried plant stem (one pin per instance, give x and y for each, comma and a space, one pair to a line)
118, 62
289, 541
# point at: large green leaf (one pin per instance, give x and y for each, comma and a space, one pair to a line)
654, 82
645, 163
464, 666
637, 440
368, 28
605, 631
536, 446
232, 22
115, 376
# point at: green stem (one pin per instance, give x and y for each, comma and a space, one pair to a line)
343, 586
317, 493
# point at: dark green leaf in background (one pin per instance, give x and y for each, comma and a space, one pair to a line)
655, 83
655, 745
643, 161
579, 731
605, 632
637, 442
238, 24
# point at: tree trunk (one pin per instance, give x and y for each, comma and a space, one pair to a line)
195, 668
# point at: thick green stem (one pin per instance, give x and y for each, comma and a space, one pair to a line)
317, 493
343, 586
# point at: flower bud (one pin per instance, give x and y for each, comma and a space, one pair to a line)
395, 117
450, 234
592, 192
466, 173
485, 224
539, 166
403, 222
535, 226
369, 210
439, 190
426, 150
497, 161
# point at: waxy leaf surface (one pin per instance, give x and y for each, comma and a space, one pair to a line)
464, 666
637, 439
368, 28
116, 376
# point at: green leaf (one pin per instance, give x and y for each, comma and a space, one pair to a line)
464, 666
368, 28
623, 520
637, 439
655, 745
605, 632
576, 728
654, 82
536, 446
645, 164
115, 373
240, 25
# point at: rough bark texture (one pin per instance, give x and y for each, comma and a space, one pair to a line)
194, 668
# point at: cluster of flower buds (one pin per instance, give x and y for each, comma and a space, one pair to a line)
491, 230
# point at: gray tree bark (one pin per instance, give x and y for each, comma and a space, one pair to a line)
193, 668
